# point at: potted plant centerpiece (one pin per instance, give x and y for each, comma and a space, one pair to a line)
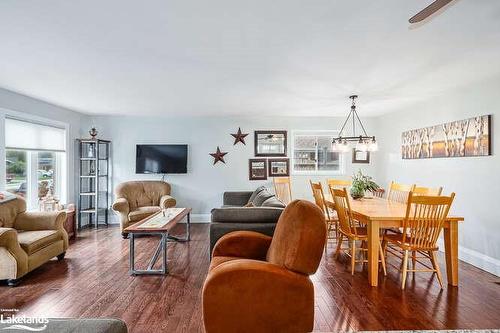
362, 183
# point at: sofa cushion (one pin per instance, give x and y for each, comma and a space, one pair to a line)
261, 197
142, 212
273, 202
32, 241
257, 191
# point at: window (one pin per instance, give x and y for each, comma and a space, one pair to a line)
312, 153
35, 160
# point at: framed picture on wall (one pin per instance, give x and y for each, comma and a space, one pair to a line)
257, 169
270, 143
359, 156
279, 167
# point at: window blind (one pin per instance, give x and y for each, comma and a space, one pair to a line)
26, 135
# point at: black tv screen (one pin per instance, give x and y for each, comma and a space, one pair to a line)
161, 159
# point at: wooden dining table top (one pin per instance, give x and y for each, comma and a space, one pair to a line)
382, 209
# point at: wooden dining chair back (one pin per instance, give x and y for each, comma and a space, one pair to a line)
338, 183
379, 193
283, 189
399, 192
425, 216
420, 190
424, 221
344, 214
319, 198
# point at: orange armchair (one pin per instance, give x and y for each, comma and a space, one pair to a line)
258, 283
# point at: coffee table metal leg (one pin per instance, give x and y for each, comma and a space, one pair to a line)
164, 242
188, 231
159, 248
132, 254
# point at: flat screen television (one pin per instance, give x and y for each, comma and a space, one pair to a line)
161, 159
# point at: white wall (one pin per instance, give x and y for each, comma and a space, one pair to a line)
19, 105
476, 180
204, 184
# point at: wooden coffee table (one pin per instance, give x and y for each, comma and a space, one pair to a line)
158, 224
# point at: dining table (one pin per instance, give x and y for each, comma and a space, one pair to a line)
378, 214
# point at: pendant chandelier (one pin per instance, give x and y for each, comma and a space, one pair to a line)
364, 142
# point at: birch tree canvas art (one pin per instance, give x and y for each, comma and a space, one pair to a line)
468, 137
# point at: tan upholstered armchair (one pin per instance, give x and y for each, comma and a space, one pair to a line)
28, 239
136, 200
258, 283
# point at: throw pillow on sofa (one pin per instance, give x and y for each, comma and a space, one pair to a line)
261, 197
257, 191
273, 202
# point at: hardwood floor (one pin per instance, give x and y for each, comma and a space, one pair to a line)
93, 281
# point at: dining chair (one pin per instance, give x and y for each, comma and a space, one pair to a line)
379, 193
429, 191
338, 183
425, 216
399, 192
348, 228
330, 218
283, 189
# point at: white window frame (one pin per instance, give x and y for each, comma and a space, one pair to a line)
63, 163
329, 133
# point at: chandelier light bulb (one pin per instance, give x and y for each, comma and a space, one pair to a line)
373, 145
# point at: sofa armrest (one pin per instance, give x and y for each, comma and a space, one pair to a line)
121, 206
246, 214
33, 221
238, 294
167, 201
243, 244
236, 198
8, 240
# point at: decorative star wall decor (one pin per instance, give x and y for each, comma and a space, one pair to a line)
218, 156
239, 137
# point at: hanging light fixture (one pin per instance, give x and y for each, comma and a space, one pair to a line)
364, 142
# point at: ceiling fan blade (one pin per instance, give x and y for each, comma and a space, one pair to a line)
429, 10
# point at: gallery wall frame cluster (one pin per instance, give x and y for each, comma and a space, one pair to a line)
271, 148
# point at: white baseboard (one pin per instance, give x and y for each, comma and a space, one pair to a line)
480, 260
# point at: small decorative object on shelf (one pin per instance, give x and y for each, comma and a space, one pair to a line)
362, 183
49, 203
218, 156
93, 133
239, 137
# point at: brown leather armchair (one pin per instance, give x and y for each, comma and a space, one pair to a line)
258, 283
136, 200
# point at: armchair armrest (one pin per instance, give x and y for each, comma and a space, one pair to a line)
255, 296
167, 201
239, 198
244, 244
121, 206
40, 221
246, 214
8, 240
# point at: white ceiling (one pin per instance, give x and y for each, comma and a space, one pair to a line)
233, 57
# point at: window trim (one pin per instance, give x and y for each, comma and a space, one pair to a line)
22, 116
342, 159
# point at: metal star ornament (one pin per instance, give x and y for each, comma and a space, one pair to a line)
239, 137
218, 156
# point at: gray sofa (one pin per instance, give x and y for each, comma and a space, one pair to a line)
254, 211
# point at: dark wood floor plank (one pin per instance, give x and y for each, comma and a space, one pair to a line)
93, 281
